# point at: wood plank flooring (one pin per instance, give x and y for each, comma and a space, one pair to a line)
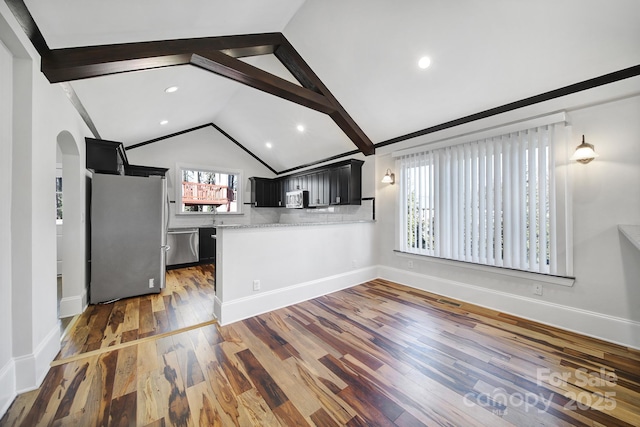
186, 300
378, 354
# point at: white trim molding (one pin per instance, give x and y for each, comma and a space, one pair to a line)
32, 368
45, 352
243, 308
71, 306
7, 386
597, 325
25, 373
521, 274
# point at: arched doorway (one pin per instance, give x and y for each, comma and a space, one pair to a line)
73, 296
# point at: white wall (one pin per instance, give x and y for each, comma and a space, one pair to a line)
606, 192
7, 381
204, 147
605, 299
292, 263
39, 112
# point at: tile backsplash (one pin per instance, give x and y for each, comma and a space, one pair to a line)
253, 215
328, 214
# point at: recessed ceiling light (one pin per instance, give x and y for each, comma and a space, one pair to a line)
164, 122
171, 89
300, 128
269, 145
424, 62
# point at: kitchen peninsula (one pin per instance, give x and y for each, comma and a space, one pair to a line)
261, 267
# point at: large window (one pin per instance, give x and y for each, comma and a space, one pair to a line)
207, 190
490, 201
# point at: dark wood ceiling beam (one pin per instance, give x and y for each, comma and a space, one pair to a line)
353, 131
216, 54
234, 69
78, 72
24, 18
94, 61
297, 66
243, 52
303, 74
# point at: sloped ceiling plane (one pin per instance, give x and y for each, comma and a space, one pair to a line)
351, 80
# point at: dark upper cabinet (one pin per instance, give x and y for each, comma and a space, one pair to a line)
324, 187
265, 192
207, 248
336, 184
110, 157
280, 193
146, 171
105, 156
318, 187
345, 184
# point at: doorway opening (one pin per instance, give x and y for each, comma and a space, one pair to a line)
69, 230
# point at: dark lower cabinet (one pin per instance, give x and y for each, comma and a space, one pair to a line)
207, 240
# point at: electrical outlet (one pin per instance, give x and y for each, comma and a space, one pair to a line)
151, 284
410, 264
256, 285
537, 289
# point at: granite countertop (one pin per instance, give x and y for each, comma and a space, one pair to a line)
296, 224
184, 227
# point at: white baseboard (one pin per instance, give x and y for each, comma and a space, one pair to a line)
45, 353
25, 373
609, 328
243, 308
7, 386
32, 368
217, 307
71, 306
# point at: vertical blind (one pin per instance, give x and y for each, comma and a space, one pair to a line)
487, 201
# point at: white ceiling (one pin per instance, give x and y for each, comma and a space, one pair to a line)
484, 54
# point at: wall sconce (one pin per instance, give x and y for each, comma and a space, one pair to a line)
584, 153
389, 177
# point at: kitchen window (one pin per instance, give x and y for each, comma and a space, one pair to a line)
208, 190
491, 201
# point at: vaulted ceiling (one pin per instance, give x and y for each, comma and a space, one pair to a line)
369, 90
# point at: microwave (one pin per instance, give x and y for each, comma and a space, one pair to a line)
297, 199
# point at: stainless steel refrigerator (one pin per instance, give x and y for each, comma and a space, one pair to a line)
128, 236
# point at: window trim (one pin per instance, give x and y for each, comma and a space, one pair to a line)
567, 281
207, 168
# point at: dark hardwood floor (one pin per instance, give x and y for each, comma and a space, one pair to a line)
186, 300
378, 354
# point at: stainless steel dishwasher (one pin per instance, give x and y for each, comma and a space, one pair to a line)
183, 246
